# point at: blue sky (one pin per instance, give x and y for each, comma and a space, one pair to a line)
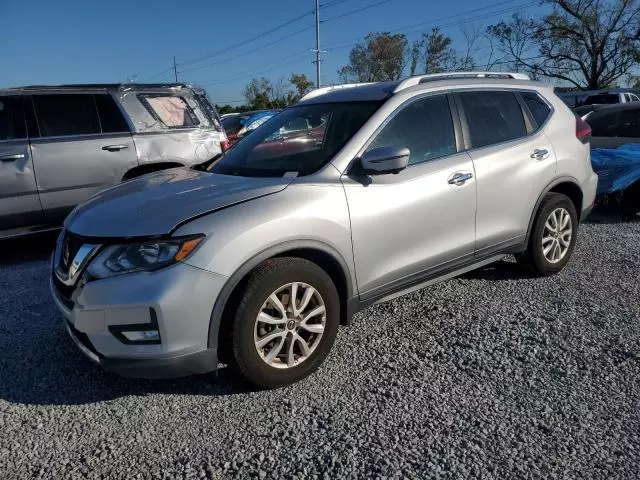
73, 41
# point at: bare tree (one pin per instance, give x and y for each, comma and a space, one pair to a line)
472, 35
492, 56
587, 43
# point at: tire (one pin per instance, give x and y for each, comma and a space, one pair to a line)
534, 257
251, 360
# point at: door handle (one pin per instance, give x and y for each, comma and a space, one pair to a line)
114, 148
11, 158
540, 153
459, 178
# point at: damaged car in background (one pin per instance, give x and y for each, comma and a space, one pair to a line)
60, 145
615, 155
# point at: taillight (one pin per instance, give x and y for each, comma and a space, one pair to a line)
583, 130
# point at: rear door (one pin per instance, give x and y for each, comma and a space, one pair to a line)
19, 201
84, 147
612, 128
513, 160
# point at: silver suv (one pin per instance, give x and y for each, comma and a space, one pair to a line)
257, 261
60, 145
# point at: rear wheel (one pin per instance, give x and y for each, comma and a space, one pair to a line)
286, 322
553, 237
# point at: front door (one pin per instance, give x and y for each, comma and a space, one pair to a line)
420, 221
19, 202
78, 153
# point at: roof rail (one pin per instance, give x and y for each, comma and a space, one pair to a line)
412, 81
322, 90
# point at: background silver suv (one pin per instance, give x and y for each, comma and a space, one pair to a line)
60, 145
394, 186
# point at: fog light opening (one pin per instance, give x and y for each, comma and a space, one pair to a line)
142, 336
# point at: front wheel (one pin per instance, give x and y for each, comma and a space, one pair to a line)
286, 322
553, 237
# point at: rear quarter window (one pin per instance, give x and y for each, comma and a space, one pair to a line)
172, 110
537, 106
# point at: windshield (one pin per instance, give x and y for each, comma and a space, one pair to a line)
300, 140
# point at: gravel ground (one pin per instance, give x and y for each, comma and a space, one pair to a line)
492, 375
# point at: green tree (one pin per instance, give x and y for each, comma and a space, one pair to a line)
380, 57
301, 83
587, 43
439, 55
258, 93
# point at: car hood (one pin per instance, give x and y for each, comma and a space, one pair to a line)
157, 203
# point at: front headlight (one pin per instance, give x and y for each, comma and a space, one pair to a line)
136, 257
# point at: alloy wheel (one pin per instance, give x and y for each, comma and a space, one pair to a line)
557, 235
290, 325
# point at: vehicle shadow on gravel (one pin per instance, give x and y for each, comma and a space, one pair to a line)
611, 214
503, 270
38, 246
60, 375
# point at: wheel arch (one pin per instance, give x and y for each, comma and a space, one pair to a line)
323, 255
568, 186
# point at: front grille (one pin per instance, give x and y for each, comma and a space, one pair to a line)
64, 291
70, 246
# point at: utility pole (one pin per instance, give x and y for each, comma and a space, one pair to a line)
317, 43
175, 68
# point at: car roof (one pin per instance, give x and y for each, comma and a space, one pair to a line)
94, 87
376, 91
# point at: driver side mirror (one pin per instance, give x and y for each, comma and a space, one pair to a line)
385, 159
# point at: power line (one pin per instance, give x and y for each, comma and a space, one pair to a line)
333, 3
159, 74
350, 43
240, 76
357, 10
240, 55
249, 40
411, 28
266, 45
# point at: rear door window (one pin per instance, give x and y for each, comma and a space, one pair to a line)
537, 106
619, 123
12, 124
66, 114
173, 111
424, 126
492, 117
111, 119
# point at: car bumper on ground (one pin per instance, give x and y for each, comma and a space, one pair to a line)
176, 302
